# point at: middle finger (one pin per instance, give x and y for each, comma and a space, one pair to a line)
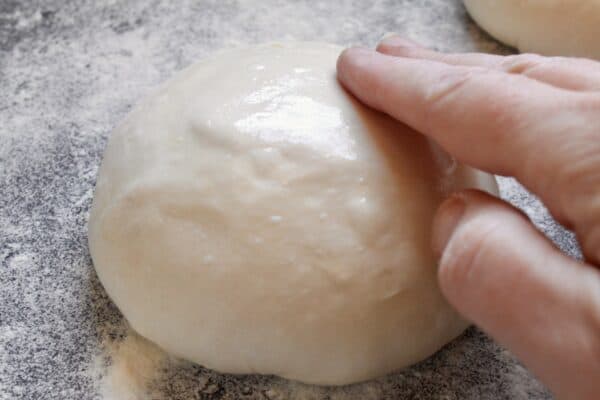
576, 74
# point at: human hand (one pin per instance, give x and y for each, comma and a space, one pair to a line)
534, 118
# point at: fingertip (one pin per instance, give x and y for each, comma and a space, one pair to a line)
446, 220
350, 61
475, 234
361, 72
457, 245
352, 53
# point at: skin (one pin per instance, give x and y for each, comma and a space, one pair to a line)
536, 119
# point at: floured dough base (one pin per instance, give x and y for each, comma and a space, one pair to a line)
550, 27
253, 217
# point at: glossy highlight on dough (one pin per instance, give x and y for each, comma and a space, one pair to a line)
253, 217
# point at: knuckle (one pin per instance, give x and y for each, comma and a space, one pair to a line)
523, 63
575, 175
449, 84
564, 169
453, 87
578, 173
465, 90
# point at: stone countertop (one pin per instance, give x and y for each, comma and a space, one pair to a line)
69, 71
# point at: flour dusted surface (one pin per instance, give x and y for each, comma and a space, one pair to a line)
70, 71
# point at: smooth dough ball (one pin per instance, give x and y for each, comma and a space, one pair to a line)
550, 27
253, 217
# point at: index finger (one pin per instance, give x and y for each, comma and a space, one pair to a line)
507, 124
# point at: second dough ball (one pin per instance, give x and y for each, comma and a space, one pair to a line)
549, 27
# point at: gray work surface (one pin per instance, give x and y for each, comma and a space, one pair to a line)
69, 71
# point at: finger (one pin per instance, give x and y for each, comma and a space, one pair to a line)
498, 271
506, 124
567, 73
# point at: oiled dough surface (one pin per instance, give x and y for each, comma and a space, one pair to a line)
550, 27
253, 217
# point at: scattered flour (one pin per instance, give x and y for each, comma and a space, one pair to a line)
127, 369
132, 368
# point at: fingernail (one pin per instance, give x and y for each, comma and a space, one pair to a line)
388, 35
394, 40
446, 221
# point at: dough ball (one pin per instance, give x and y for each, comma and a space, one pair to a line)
550, 27
253, 217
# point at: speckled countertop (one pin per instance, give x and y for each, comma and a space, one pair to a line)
69, 71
